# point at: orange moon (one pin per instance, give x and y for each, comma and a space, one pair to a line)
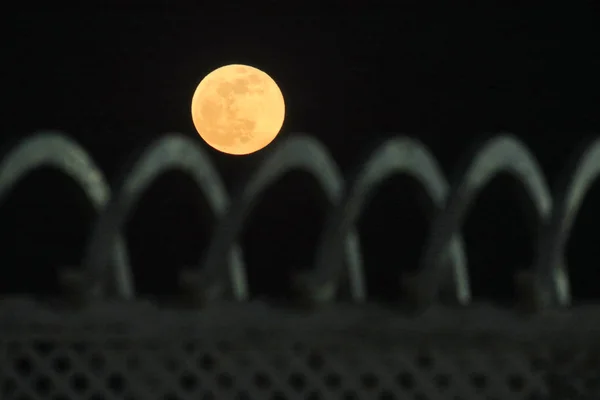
238, 109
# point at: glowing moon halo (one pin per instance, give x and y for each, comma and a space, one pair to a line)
238, 109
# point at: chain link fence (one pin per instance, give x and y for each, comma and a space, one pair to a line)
253, 351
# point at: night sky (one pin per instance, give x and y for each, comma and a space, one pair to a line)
115, 81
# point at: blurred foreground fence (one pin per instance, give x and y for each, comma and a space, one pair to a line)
112, 346
251, 351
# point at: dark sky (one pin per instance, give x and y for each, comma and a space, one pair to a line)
115, 81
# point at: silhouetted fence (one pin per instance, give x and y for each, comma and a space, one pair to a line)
221, 273
108, 348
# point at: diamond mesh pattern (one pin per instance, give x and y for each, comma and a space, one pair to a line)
108, 361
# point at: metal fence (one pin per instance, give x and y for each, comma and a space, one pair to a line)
252, 351
113, 345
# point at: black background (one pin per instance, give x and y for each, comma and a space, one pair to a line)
114, 81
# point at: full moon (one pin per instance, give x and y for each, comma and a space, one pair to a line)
238, 109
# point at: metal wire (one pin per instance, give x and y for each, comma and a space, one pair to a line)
251, 350
136, 350
221, 272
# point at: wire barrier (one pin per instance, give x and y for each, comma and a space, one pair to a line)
111, 344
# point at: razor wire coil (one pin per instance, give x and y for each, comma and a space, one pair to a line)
221, 272
250, 350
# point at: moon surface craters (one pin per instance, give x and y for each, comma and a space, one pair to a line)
238, 111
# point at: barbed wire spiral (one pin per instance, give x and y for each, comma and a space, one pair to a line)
221, 272
251, 349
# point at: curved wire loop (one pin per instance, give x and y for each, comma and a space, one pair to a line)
172, 151
56, 150
575, 180
338, 260
400, 155
299, 152
502, 153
